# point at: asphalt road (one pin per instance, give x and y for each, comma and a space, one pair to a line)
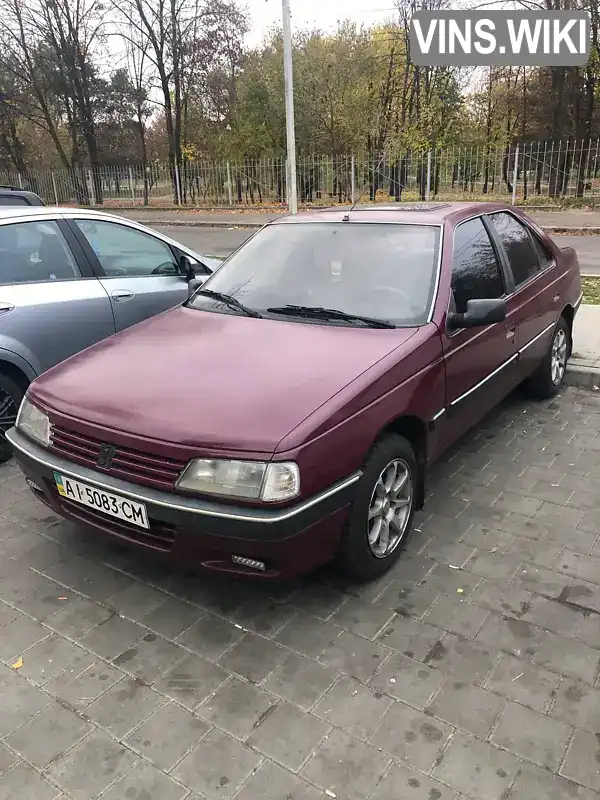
209, 241
588, 249
221, 241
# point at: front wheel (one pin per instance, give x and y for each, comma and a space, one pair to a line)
548, 377
11, 395
381, 514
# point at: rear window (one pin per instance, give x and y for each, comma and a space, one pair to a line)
385, 271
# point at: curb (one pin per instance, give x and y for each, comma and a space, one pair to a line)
584, 377
561, 230
230, 226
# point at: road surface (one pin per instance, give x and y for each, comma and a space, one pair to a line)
221, 241
588, 249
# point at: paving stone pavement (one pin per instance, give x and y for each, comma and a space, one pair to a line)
470, 671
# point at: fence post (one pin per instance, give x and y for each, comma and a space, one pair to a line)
287, 184
20, 181
91, 185
515, 173
352, 178
428, 189
177, 185
54, 188
131, 186
229, 190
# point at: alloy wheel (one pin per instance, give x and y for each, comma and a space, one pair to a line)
390, 508
558, 358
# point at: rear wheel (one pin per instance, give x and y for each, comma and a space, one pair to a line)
381, 515
11, 395
548, 377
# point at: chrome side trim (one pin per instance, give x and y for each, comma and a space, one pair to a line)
152, 497
535, 338
439, 414
579, 301
485, 380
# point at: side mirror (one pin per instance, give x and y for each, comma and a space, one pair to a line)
187, 268
479, 313
194, 284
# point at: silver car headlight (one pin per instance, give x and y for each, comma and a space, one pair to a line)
33, 422
252, 480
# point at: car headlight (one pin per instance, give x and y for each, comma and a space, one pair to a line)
33, 422
252, 480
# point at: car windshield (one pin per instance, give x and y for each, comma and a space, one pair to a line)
379, 271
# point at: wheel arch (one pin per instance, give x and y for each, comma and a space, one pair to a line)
568, 314
15, 373
414, 430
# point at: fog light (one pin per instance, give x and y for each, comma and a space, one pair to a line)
249, 562
32, 485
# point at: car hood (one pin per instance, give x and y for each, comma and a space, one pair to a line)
212, 380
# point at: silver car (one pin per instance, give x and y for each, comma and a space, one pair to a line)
70, 277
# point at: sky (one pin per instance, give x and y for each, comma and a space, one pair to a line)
324, 14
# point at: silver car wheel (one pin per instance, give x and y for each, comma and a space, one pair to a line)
558, 357
389, 509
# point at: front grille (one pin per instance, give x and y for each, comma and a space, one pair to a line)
160, 536
129, 465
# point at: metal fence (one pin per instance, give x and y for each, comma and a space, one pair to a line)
533, 171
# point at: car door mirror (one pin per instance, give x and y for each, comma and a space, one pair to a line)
479, 313
188, 269
195, 284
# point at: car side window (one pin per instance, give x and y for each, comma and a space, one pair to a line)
544, 255
124, 251
7, 200
516, 239
476, 273
31, 252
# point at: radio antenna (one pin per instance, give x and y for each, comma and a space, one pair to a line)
366, 188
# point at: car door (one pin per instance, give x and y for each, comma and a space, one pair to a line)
481, 362
51, 305
139, 271
530, 265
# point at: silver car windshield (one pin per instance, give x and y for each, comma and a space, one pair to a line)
377, 270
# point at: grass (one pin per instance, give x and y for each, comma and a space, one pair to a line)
591, 291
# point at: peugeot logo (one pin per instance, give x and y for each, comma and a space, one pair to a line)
106, 455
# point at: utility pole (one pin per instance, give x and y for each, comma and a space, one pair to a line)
289, 108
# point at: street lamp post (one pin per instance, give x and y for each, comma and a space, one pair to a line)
289, 108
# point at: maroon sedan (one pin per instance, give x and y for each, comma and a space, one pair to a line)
286, 414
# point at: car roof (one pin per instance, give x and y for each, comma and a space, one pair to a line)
405, 213
49, 211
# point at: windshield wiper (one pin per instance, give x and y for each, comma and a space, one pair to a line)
229, 301
317, 312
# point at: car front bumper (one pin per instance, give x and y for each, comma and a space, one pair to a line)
197, 532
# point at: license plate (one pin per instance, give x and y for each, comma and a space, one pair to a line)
110, 504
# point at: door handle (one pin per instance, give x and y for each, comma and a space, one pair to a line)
4, 307
556, 298
121, 295
510, 331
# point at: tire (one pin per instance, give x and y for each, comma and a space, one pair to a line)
358, 558
11, 395
549, 376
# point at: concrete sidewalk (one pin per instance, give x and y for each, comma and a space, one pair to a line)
557, 222
584, 366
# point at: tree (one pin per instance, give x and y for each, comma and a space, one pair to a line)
180, 39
